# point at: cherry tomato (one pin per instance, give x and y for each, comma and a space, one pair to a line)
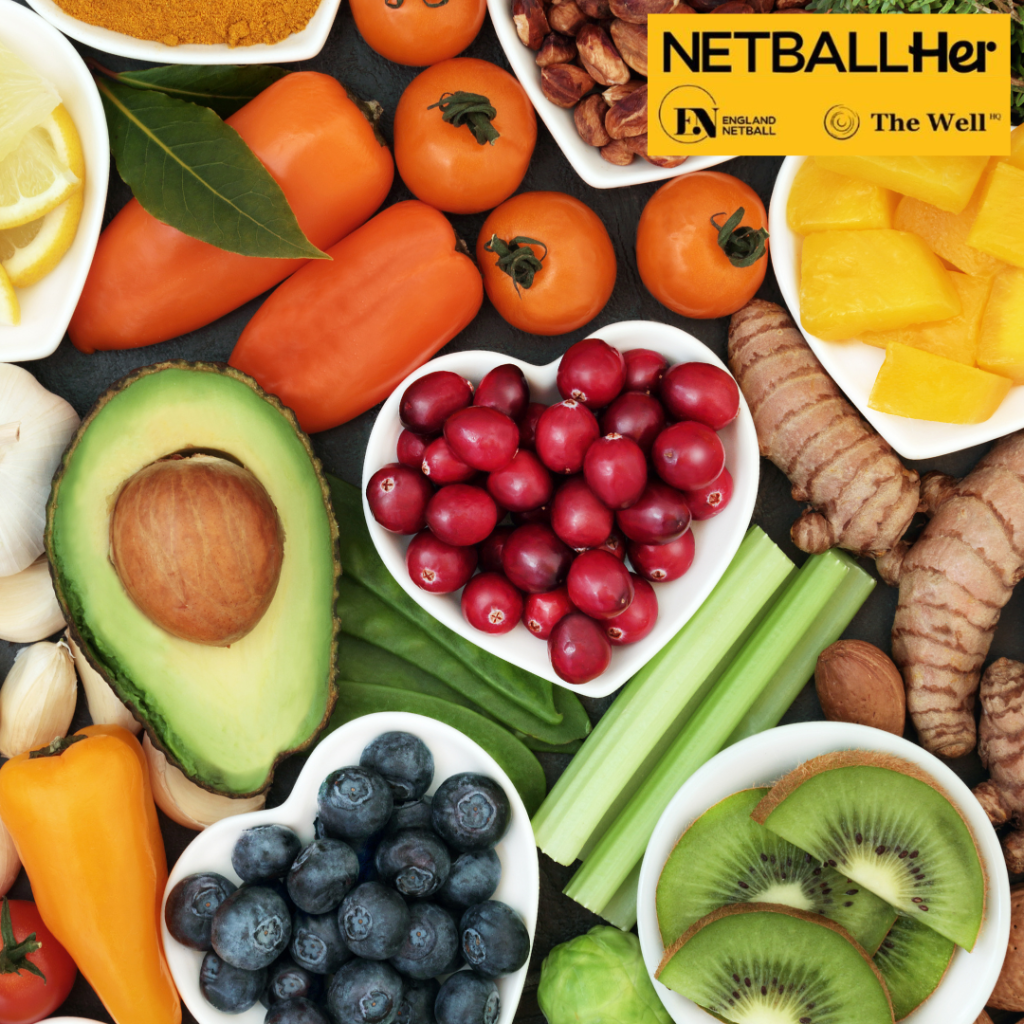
24, 996
678, 249
561, 257
418, 32
464, 134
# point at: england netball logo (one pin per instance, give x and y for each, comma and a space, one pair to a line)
841, 122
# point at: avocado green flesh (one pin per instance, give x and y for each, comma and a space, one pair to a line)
913, 960
224, 714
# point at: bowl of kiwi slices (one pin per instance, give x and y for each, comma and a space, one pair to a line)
824, 873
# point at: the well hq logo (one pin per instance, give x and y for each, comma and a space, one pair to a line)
689, 113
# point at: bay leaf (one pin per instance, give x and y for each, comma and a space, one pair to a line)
223, 88
191, 170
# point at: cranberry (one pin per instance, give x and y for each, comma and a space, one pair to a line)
599, 585
614, 544
522, 485
534, 559
660, 515
438, 567
543, 611
429, 401
534, 515
616, 470
398, 498
527, 424
442, 465
411, 448
644, 369
483, 438
688, 455
638, 619
490, 549
490, 603
636, 415
578, 517
708, 501
504, 388
462, 514
663, 562
592, 372
578, 648
564, 433
701, 392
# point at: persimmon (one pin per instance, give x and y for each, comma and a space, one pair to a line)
418, 32
548, 263
464, 134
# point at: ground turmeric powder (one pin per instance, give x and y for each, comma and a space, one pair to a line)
235, 22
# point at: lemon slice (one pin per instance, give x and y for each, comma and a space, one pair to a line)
25, 100
29, 252
10, 311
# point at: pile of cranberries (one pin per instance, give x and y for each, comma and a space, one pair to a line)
620, 467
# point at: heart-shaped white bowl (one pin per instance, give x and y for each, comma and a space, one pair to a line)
763, 759
453, 752
716, 539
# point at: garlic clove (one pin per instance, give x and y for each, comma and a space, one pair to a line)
28, 605
105, 707
185, 802
37, 699
10, 862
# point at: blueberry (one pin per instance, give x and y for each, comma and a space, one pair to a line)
190, 908
403, 760
264, 852
296, 1011
366, 851
322, 874
287, 980
411, 814
472, 879
494, 939
373, 921
317, 944
466, 998
431, 943
417, 1006
251, 928
228, 988
414, 861
354, 803
470, 812
365, 992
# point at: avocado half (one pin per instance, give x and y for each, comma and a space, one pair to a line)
224, 715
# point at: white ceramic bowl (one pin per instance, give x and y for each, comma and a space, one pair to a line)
46, 307
760, 761
854, 365
302, 45
453, 752
716, 539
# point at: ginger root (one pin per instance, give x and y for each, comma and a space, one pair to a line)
1009, 991
861, 495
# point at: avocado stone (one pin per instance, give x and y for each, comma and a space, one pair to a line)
224, 715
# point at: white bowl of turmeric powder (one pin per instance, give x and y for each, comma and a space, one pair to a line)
196, 31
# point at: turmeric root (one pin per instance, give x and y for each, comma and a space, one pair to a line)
861, 495
954, 582
1009, 991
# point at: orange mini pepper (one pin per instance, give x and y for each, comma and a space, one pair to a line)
81, 815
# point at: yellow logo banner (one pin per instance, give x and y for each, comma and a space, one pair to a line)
876, 85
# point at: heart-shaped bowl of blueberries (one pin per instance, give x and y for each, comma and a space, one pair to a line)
398, 882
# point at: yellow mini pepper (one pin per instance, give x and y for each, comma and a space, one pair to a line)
81, 815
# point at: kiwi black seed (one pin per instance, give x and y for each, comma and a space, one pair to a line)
912, 958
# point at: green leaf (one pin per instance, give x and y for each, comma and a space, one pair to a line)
192, 171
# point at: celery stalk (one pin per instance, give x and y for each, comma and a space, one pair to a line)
617, 854
653, 699
621, 909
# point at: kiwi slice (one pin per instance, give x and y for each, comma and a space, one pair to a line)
883, 822
761, 962
724, 857
913, 959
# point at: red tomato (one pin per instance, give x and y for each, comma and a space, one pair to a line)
25, 997
418, 32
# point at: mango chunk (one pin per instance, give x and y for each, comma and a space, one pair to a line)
1001, 338
998, 228
955, 338
924, 386
944, 181
822, 200
1016, 156
874, 280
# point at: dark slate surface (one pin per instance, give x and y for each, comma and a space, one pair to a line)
82, 379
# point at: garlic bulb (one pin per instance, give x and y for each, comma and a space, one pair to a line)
37, 699
35, 427
185, 802
10, 862
105, 707
28, 605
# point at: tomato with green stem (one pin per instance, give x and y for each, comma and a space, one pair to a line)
36, 971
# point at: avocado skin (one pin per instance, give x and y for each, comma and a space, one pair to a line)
68, 608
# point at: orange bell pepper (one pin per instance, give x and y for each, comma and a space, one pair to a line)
337, 338
150, 282
81, 815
